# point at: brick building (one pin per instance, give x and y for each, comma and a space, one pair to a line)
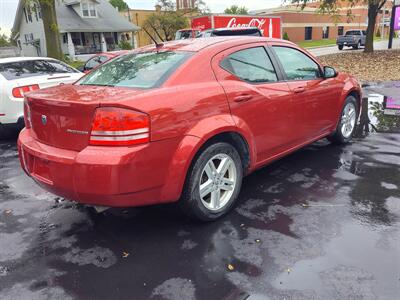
309, 24
185, 4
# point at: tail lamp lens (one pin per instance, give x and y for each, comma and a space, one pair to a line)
27, 115
119, 127
19, 92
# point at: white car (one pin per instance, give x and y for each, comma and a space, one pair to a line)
19, 75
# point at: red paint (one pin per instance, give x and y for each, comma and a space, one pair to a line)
269, 26
197, 102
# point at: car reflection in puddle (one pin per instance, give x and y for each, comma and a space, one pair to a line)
383, 108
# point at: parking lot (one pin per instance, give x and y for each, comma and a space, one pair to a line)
322, 223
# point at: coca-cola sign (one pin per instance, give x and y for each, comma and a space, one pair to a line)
269, 26
259, 23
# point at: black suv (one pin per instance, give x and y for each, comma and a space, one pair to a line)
253, 31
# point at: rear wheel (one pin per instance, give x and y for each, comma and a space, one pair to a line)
213, 183
340, 47
347, 124
355, 47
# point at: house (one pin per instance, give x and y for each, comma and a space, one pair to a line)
85, 26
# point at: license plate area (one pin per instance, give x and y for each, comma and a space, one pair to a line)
41, 170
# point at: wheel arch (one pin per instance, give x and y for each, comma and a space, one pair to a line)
191, 147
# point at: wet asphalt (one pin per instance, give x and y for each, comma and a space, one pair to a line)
322, 223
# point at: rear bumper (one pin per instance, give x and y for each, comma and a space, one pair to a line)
107, 176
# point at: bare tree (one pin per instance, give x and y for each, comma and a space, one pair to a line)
50, 25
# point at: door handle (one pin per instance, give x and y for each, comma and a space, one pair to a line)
299, 89
242, 98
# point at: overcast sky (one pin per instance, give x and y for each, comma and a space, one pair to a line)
8, 8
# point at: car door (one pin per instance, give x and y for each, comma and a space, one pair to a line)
314, 98
257, 97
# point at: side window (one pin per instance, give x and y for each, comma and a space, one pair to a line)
364, 32
92, 63
296, 64
252, 65
102, 59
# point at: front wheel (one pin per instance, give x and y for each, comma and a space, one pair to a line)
347, 123
213, 183
340, 47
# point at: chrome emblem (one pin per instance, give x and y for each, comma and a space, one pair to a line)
44, 119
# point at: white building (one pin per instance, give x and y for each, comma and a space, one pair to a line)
86, 27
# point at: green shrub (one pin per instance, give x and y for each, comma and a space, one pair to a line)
125, 45
286, 36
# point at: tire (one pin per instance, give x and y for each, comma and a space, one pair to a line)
340, 47
343, 134
206, 208
355, 47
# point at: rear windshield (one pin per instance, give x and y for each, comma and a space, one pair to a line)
30, 68
136, 70
353, 32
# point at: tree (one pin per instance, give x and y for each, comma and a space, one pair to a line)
163, 24
120, 4
236, 10
50, 25
332, 6
4, 40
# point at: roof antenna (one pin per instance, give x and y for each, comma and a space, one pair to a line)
158, 45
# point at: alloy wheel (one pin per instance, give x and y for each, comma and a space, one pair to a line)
217, 182
348, 120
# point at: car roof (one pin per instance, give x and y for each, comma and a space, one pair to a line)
22, 58
195, 45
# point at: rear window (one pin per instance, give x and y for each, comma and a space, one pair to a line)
136, 70
30, 68
353, 32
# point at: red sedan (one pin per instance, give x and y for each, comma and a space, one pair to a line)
184, 121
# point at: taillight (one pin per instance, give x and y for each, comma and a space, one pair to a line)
119, 127
27, 115
19, 92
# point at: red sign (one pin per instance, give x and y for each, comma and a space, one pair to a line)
269, 26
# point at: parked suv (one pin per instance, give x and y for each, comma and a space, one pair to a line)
183, 121
19, 75
352, 38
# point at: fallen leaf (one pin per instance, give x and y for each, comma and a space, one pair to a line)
258, 241
231, 267
125, 254
289, 270
8, 211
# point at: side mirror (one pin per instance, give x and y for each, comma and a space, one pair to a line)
329, 72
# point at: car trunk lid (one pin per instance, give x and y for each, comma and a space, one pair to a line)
62, 116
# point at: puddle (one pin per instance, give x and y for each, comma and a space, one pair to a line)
383, 108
